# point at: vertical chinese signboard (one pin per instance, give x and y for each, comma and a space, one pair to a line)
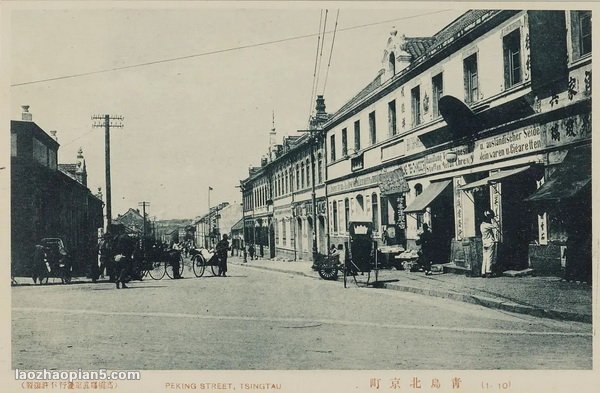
458, 208
496, 206
400, 217
542, 222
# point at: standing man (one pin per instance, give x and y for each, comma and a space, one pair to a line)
488, 228
425, 241
222, 248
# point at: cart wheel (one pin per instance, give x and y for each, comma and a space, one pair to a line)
169, 268
328, 273
157, 270
215, 267
198, 265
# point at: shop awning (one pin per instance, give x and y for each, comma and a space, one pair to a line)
574, 175
426, 197
495, 178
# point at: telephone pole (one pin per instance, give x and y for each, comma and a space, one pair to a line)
143, 204
107, 122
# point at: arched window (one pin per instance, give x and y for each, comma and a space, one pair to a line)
347, 213
392, 64
335, 216
375, 211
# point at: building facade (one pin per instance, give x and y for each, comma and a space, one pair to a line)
476, 117
47, 202
492, 112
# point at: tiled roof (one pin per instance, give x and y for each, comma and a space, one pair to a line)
416, 46
421, 48
456, 26
71, 168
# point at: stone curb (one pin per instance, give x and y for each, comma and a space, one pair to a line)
463, 297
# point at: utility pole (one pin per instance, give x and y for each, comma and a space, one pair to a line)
241, 187
107, 122
208, 219
143, 204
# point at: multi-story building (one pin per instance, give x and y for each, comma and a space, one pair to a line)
47, 202
278, 196
477, 117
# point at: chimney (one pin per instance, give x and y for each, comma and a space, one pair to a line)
320, 105
25, 115
53, 133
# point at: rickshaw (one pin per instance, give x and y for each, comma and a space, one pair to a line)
203, 257
57, 261
360, 257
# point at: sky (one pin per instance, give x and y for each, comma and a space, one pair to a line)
202, 120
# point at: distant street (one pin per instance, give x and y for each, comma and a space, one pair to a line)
257, 319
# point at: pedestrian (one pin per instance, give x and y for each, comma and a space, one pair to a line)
426, 254
39, 263
123, 248
251, 251
222, 248
334, 254
262, 250
489, 240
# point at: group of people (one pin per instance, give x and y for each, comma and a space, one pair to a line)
489, 236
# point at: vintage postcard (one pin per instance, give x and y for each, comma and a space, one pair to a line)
377, 197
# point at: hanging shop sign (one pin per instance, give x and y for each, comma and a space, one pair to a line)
542, 221
510, 144
496, 206
458, 207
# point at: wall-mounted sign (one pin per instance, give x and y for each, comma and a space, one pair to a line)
513, 143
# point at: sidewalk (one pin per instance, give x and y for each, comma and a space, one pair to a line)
546, 297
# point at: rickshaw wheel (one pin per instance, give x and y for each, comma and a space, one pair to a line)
169, 268
198, 265
215, 267
328, 273
157, 271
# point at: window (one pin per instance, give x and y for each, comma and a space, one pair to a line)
384, 211
334, 211
392, 117
392, 64
302, 175
415, 99
512, 58
308, 173
471, 81
297, 177
284, 231
360, 204
332, 146
372, 128
347, 213
357, 135
581, 33
320, 165
437, 83
375, 212
344, 142
40, 152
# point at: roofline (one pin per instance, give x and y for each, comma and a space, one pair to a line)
432, 53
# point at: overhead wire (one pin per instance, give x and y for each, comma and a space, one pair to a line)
312, 91
173, 59
331, 51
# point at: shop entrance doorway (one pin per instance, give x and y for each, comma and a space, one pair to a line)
442, 225
519, 221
